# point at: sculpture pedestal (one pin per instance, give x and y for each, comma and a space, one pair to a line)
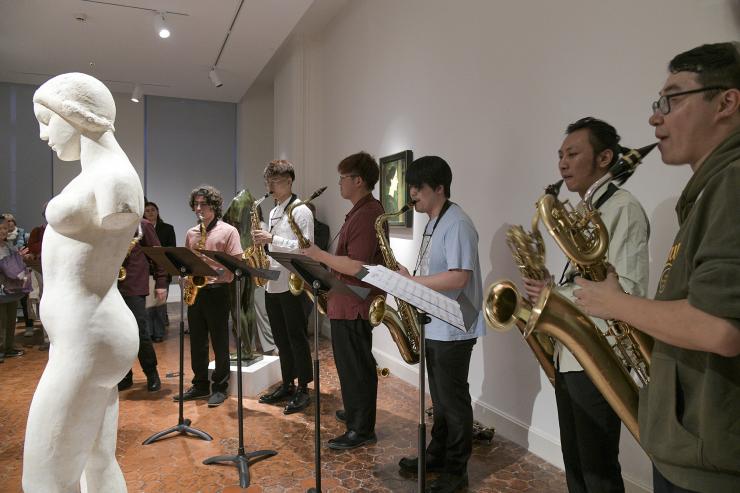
256, 377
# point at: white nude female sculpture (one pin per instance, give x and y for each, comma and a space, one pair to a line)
73, 421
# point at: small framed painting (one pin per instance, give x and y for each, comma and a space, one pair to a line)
394, 193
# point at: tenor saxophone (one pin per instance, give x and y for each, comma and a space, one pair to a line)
403, 324
295, 283
255, 255
194, 283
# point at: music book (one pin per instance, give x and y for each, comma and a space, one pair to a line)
427, 300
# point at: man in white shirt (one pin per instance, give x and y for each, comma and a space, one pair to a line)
589, 428
285, 311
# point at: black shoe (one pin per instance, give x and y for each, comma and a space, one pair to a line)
14, 353
126, 383
300, 401
153, 383
44, 346
448, 483
192, 394
279, 394
351, 440
341, 416
217, 398
411, 465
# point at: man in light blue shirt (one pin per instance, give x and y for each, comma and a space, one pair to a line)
448, 263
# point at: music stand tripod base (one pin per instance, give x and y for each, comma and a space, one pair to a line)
241, 459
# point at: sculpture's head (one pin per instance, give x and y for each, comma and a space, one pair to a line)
69, 105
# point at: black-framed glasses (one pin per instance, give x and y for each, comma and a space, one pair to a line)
664, 103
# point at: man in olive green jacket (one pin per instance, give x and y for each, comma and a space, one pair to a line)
690, 411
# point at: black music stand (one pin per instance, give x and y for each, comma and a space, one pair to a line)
179, 261
321, 281
241, 459
424, 301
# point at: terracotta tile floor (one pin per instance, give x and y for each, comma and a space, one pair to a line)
175, 464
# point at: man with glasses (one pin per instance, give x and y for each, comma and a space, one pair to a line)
286, 314
689, 413
589, 428
209, 315
351, 332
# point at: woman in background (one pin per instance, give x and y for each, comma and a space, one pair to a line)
166, 233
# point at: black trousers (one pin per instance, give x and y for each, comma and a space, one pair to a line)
662, 485
448, 363
289, 329
589, 435
352, 344
147, 356
209, 316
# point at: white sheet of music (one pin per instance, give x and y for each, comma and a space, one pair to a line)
427, 300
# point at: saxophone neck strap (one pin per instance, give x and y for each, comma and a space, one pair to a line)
425, 245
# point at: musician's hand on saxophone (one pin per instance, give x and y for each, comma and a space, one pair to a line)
598, 299
312, 251
534, 287
261, 237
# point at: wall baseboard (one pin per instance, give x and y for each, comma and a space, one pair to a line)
536, 441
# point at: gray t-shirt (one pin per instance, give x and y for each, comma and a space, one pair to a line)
454, 245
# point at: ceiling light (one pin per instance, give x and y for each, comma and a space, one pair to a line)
136, 95
161, 25
213, 75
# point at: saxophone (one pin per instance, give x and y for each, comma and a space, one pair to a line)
584, 239
134, 242
528, 250
295, 283
194, 283
255, 255
404, 323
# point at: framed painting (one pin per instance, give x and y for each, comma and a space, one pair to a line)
394, 193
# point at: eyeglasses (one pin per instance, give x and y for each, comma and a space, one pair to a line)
664, 103
342, 177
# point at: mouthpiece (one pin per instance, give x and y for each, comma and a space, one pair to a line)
623, 169
317, 193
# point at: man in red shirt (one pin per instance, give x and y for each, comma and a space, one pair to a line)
351, 332
134, 289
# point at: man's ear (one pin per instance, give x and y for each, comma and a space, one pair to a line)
729, 103
604, 158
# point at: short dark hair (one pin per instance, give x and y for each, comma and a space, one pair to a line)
363, 165
716, 64
279, 167
213, 198
432, 170
601, 136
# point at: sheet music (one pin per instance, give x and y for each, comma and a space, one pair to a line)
423, 298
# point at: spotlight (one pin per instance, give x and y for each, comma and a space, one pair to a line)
136, 95
161, 25
213, 75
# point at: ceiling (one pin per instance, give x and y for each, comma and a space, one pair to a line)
120, 46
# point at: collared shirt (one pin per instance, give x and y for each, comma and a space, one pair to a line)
357, 240
454, 245
284, 240
220, 237
138, 266
629, 231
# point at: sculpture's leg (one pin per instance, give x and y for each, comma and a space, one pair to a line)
102, 472
64, 419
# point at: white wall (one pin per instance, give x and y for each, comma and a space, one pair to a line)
254, 137
490, 86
